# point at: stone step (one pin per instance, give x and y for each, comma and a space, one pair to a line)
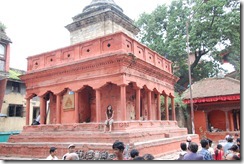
40, 150
82, 136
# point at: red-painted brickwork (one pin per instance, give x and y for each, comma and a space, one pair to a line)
200, 122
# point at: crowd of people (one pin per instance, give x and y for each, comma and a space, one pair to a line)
118, 148
228, 151
189, 151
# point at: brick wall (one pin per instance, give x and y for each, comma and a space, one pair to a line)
217, 119
200, 122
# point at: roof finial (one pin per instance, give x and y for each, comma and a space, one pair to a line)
97, 3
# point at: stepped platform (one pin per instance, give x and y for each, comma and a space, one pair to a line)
155, 137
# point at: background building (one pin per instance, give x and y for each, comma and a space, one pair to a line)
14, 106
4, 61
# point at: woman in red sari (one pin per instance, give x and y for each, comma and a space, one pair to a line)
219, 153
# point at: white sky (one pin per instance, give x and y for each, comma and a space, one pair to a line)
37, 26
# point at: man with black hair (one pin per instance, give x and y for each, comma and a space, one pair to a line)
52, 155
183, 151
204, 151
134, 153
210, 149
192, 155
118, 148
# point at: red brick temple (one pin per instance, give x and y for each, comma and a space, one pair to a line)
104, 65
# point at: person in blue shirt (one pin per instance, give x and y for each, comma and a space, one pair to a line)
204, 151
192, 154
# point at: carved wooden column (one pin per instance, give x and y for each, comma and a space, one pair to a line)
159, 106
42, 110
77, 119
138, 103
58, 109
227, 121
238, 121
207, 120
123, 101
98, 106
166, 107
173, 108
231, 121
27, 111
149, 104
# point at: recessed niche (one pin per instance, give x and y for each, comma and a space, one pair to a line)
36, 63
128, 45
139, 52
51, 60
68, 55
88, 50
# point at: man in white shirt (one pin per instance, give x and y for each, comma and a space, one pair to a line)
52, 155
71, 148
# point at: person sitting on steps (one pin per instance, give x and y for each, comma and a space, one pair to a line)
109, 118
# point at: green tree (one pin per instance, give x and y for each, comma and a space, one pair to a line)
214, 29
2, 27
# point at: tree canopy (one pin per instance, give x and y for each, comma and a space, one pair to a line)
2, 27
214, 34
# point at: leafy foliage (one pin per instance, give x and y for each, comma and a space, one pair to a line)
2, 27
213, 27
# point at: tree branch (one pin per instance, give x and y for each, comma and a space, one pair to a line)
214, 9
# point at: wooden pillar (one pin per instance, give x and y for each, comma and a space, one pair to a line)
27, 111
207, 121
237, 121
173, 108
138, 103
149, 104
159, 106
77, 119
231, 121
98, 106
166, 107
123, 101
227, 121
42, 110
58, 109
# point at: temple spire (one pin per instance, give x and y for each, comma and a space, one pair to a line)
100, 18
98, 3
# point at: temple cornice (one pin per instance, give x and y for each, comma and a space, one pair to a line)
118, 63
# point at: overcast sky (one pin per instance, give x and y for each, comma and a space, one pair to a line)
37, 26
